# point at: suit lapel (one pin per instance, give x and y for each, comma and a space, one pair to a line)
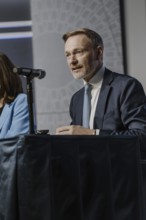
79, 107
4, 115
103, 97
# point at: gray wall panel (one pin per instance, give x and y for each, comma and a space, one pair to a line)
51, 18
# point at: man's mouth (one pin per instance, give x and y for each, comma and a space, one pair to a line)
76, 68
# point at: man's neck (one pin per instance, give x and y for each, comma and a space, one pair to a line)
96, 76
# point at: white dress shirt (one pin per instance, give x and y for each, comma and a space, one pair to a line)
96, 83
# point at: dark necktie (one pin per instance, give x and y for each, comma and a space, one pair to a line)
87, 105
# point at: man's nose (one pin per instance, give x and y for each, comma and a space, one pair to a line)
73, 59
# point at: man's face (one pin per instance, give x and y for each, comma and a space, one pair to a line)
83, 60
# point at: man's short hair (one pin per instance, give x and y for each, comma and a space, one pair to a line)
92, 35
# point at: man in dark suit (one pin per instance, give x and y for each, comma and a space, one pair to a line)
118, 101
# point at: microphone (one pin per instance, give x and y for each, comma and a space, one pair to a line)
30, 72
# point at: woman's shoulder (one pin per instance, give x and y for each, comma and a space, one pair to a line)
20, 98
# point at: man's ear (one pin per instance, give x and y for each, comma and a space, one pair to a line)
99, 52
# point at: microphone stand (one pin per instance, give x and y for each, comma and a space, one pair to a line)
30, 105
30, 74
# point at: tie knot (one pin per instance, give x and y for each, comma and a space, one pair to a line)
88, 87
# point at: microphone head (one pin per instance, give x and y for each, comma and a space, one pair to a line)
42, 74
28, 72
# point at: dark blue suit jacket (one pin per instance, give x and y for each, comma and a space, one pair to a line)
121, 107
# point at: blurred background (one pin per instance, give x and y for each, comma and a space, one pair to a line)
31, 35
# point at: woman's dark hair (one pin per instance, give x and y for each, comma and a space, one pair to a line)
95, 38
10, 82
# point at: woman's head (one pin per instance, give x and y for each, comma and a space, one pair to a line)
10, 82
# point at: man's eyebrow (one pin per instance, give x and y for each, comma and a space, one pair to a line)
78, 48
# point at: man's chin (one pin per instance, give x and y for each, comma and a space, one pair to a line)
77, 76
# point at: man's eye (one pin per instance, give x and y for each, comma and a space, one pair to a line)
67, 55
79, 51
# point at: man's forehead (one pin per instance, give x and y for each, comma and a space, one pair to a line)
79, 40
